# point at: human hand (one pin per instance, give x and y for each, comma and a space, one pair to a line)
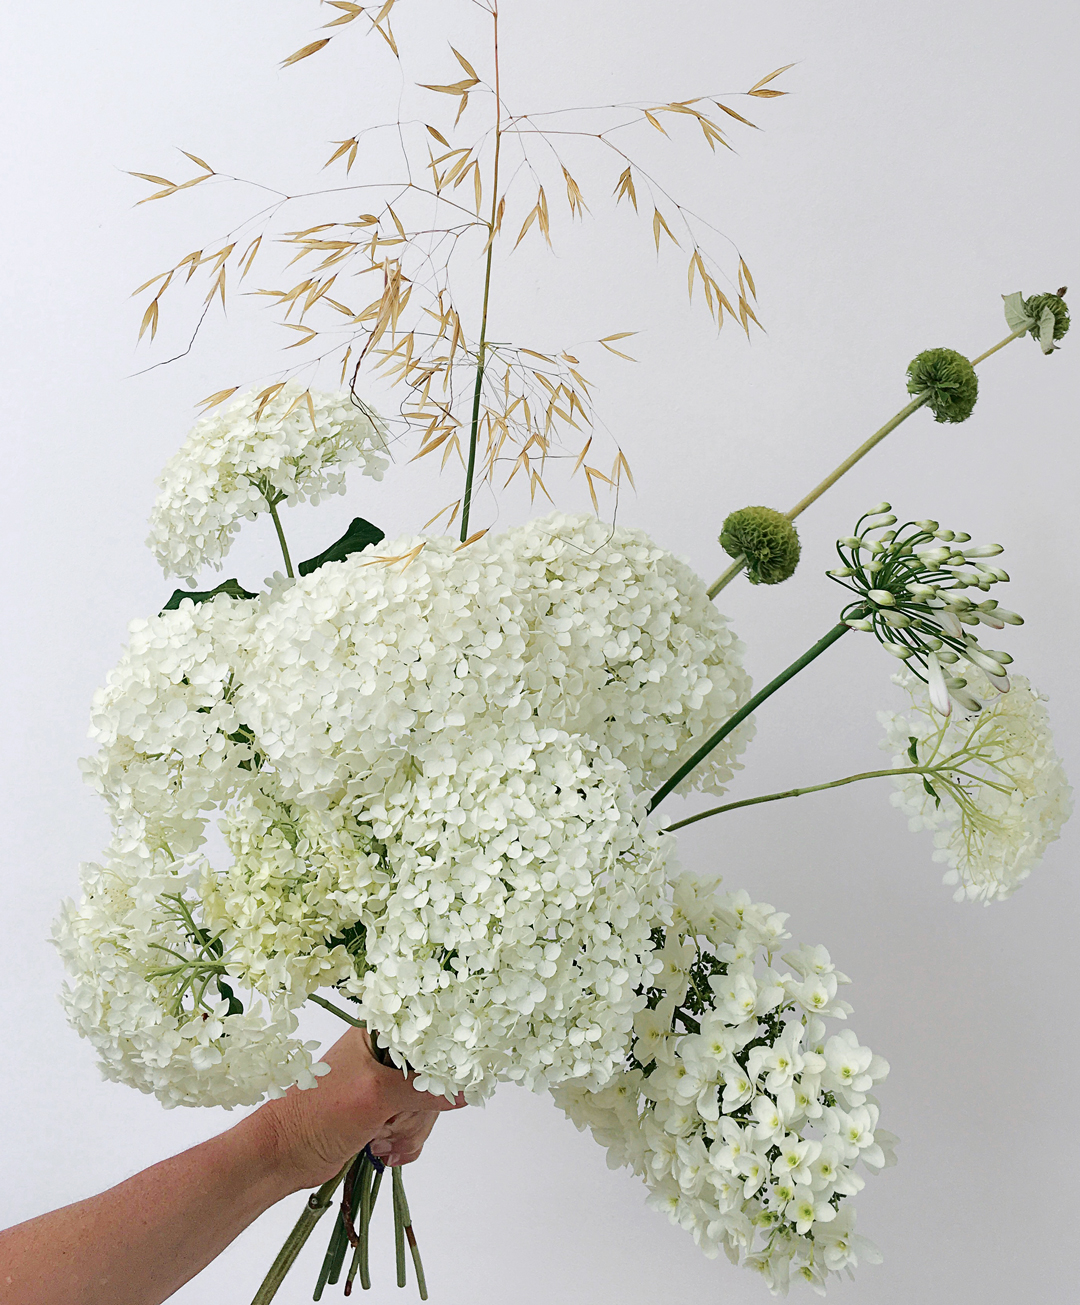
311, 1134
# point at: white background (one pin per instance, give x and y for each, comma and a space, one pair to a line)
924, 163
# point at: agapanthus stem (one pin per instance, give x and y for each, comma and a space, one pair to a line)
796, 666
798, 792
281, 539
481, 353
317, 1205
845, 466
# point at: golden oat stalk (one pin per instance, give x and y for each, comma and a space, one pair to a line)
379, 290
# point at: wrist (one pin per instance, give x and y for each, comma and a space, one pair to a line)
266, 1148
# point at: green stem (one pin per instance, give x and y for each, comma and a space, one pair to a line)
845, 466
481, 353
410, 1236
798, 792
317, 1205
1000, 345
281, 538
336, 1010
796, 666
399, 1227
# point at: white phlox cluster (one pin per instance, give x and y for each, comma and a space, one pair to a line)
1002, 795
412, 813
292, 447
744, 1114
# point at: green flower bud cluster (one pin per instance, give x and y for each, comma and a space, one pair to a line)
950, 380
1044, 317
916, 589
766, 539
1056, 304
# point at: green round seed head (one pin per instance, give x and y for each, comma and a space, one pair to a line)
766, 539
950, 380
1034, 308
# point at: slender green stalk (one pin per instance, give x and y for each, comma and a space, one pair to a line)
1000, 345
796, 666
481, 353
360, 1259
317, 1205
410, 1237
336, 1010
798, 792
281, 538
399, 1227
845, 466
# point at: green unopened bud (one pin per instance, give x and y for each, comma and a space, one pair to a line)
882, 597
950, 381
1047, 329
766, 539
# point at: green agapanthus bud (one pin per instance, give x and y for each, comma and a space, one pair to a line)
950, 379
767, 541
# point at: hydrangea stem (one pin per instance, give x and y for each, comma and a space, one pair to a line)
798, 792
481, 353
281, 539
317, 1205
336, 1010
796, 666
845, 466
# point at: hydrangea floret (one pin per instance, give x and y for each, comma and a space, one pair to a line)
997, 795
746, 1115
914, 585
285, 444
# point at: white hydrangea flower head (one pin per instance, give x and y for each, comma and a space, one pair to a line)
745, 1116
293, 446
125, 945
409, 809
1010, 797
626, 646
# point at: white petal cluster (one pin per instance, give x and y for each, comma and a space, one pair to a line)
427, 780
296, 446
1011, 796
747, 1120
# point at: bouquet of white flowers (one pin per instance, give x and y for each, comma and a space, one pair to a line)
414, 781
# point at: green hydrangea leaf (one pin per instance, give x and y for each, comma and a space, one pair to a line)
359, 535
233, 588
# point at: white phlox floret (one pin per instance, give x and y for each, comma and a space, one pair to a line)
741, 1111
1012, 797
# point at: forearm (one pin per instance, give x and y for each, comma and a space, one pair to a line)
142, 1240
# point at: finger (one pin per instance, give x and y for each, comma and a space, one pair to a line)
401, 1095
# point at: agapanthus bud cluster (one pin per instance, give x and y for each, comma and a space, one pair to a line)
919, 591
286, 444
427, 781
997, 794
746, 1116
